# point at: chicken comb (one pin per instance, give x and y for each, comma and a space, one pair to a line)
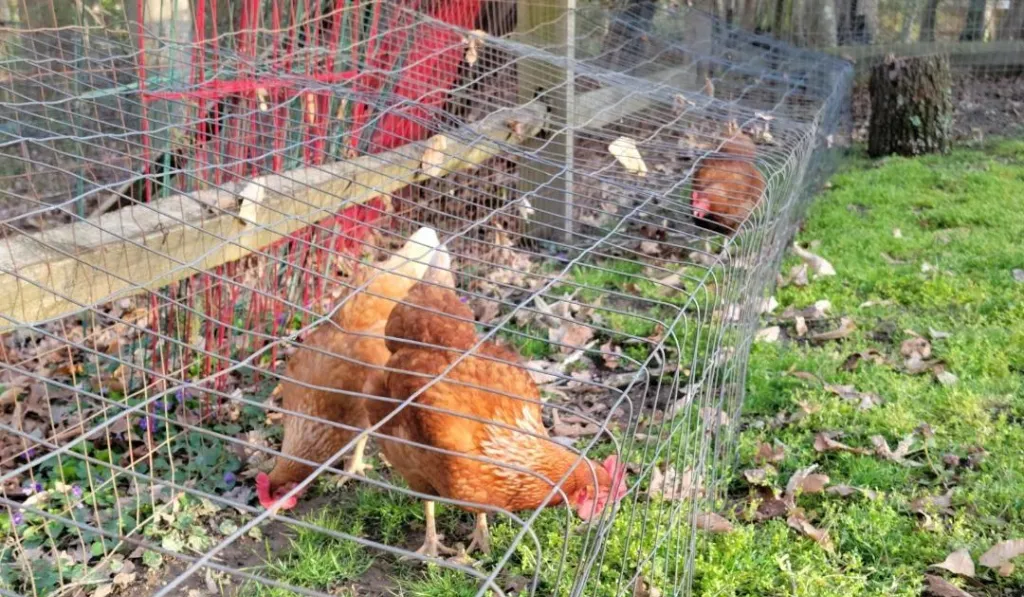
263, 489
618, 474
266, 499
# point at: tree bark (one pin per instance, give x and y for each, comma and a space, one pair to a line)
798, 24
845, 20
911, 106
778, 24
974, 26
624, 43
909, 17
750, 14
1013, 23
821, 24
928, 20
869, 15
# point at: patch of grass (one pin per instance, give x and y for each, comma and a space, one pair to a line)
959, 219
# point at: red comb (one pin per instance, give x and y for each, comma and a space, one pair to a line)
263, 490
268, 500
618, 475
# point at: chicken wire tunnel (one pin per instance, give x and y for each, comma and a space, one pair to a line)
498, 267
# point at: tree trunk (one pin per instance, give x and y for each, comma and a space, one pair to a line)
798, 24
750, 14
1013, 23
869, 18
625, 41
45, 15
778, 25
928, 20
911, 106
821, 23
909, 17
844, 22
974, 26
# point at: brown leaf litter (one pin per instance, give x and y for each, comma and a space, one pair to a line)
999, 555
959, 562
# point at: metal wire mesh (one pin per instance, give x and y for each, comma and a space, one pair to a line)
984, 36
168, 316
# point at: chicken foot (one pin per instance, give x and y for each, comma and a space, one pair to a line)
481, 537
432, 546
356, 464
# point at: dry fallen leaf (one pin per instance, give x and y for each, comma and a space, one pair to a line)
846, 327
819, 266
713, 522
645, 589
816, 311
870, 354
933, 503
770, 454
625, 151
941, 587
916, 348
801, 326
769, 334
1000, 554
896, 233
672, 485
649, 247
824, 443
570, 335
804, 481
714, 418
473, 44
572, 426
10, 395
798, 521
959, 562
883, 451
848, 490
433, 155
864, 400
611, 354
797, 276
755, 476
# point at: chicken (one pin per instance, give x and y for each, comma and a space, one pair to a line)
726, 188
489, 387
325, 375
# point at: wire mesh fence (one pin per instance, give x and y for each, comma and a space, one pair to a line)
511, 257
978, 35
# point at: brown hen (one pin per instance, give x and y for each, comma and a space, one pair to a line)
727, 187
427, 334
327, 373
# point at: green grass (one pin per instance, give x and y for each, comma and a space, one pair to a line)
962, 214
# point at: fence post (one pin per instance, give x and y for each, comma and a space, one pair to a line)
549, 25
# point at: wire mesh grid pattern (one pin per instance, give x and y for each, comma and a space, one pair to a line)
984, 36
414, 233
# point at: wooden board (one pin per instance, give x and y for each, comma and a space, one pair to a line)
58, 272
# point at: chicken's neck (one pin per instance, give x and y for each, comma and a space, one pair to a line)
558, 460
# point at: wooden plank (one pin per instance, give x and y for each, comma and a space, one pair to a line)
977, 53
61, 271
58, 272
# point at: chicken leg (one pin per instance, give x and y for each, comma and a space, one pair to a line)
481, 537
432, 546
356, 465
